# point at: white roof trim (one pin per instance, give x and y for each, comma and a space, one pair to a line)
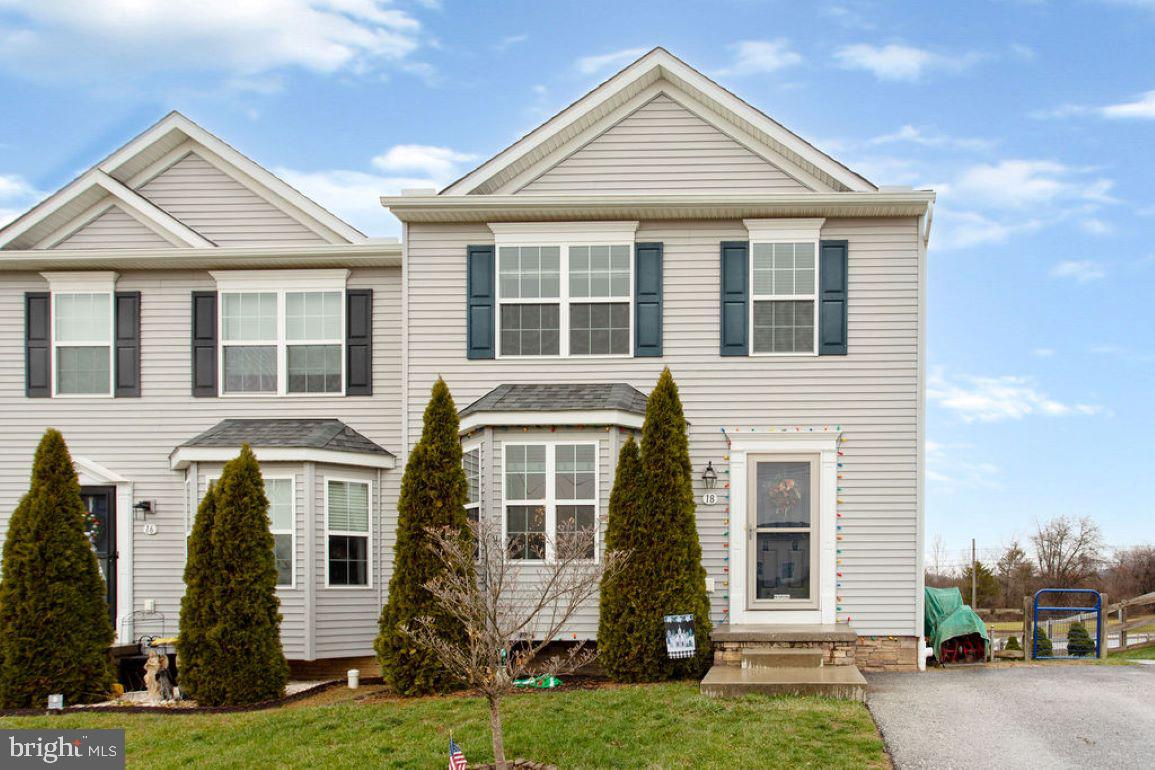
149, 215
784, 229
655, 64
520, 419
182, 456
261, 175
95, 473
96, 281
271, 280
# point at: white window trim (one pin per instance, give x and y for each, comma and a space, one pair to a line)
63, 283
564, 235
550, 500
210, 478
812, 298
279, 282
345, 533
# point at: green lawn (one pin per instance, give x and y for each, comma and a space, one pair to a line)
654, 726
1138, 653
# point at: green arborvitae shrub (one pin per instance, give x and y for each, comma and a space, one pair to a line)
55, 630
248, 665
1043, 647
1013, 644
198, 607
433, 494
623, 592
1079, 642
665, 575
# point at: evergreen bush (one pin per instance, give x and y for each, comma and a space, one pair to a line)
433, 495
248, 663
1043, 647
1079, 642
664, 574
624, 592
55, 628
198, 606
1013, 644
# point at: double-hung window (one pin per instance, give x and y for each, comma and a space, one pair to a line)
471, 463
567, 294
82, 342
784, 297
281, 522
550, 499
347, 527
282, 336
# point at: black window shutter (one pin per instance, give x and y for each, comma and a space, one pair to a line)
735, 298
204, 343
480, 291
359, 342
37, 344
648, 299
127, 344
833, 271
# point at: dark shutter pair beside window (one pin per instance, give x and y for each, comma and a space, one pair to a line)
38, 344
833, 270
481, 301
358, 343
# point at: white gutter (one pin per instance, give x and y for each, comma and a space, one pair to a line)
521, 208
364, 254
182, 456
522, 419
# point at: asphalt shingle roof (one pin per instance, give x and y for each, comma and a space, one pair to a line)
560, 398
307, 434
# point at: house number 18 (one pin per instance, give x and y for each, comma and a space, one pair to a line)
710, 498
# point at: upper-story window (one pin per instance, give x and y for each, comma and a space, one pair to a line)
567, 293
82, 343
282, 339
784, 286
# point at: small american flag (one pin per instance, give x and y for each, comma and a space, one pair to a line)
456, 756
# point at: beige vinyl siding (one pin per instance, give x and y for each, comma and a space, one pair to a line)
662, 147
114, 229
134, 436
872, 393
220, 208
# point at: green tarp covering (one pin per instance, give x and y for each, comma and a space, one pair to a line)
946, 617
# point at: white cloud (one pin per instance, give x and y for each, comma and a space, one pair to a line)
17, 195
589, 65
1081, 270
434, 162
1096, 226
1043, 352
896, 62
911, 135
757, 57
136, 39
966, 229
353, 195
994, 399
1142, 107
1021, 183
508, 42
952, 464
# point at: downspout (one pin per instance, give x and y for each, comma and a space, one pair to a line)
920, 451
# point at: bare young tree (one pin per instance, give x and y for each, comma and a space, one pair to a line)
512, 611
1015, 573
1068, 550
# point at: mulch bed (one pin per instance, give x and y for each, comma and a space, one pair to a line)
268, 704
523, 764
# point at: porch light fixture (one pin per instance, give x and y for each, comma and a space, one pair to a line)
709, 476
142, 509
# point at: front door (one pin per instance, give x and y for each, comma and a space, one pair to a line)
782, 499
100, 525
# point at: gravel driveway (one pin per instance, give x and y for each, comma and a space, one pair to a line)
1041, 715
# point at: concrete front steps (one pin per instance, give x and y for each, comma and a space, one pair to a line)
810, 660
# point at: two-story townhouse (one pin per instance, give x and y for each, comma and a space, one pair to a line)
176, 301
662, 221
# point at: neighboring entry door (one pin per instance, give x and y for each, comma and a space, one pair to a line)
100, 525
783, 543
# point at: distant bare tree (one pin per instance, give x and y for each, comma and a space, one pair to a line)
937, 554
1131, 572
1015, 573
938, 576
1068, 551
512, 611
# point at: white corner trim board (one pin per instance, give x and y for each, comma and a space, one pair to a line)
825, 446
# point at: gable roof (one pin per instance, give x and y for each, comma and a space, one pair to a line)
658, 71
119, 176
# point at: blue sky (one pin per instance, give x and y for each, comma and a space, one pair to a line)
1035, 121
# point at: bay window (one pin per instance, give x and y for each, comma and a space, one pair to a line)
550, 499
282, 520
347, 530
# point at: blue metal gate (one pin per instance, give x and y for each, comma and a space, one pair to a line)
1070, 616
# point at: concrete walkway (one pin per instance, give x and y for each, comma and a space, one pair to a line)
1050, 715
